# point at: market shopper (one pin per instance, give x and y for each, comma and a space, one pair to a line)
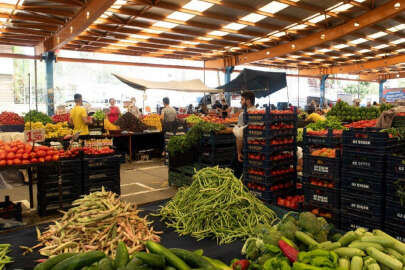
132, 108
224, 109
168, 116
78, 117
248, 103
113, 112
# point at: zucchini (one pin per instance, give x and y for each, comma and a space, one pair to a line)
347, 238
364, 245
385, 259
218, 264
150, 259
170, 257
349, 252
121, 256
398, 245
192, 259
356, 263
105, 264
78, 261
344, 264
48, 264
199, 252
306, 239
135, 262
394, 253
384, 241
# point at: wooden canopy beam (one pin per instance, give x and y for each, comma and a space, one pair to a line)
382, 76
381, 13
86, 16
355, 68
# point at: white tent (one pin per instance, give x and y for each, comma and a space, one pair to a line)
192, 86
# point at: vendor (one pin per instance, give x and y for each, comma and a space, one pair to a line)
113, 112
248, 102
132, 108
168, 115
224, 109
78, 117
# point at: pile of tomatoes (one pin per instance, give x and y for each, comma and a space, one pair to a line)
96, 152
400, 114
272, 112
72, 153
321, 183
19, 153
324, 133
11, 119
291, 202
280, 156
362, 124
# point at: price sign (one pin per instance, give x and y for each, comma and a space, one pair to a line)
34, 135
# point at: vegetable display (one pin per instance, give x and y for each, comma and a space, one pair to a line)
314, 117
35, 116
19, 153
153, 120
97, 222
130, 123
99, 115
216, 205
4, 258
345, 112
330, 122
61, 117
193, 119
11, 119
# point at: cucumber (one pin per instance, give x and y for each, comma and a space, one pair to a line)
218, 264
76, 262
349, 252
347, 238
364, 245
134, 263
356, 263
121, 257
105, 264
192, 259
170, 257
150, 259
48, 264
199, 252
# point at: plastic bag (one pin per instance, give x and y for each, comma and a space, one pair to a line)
238, 131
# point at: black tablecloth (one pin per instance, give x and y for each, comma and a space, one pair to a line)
169, 238
140, 141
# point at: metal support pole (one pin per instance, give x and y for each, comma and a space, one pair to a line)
228, 72
322, 96
36, 84
49, 58
381, 89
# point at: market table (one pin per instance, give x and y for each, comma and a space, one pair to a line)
137, 141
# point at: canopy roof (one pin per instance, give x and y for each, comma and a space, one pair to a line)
260, 82
192, 86
310, 35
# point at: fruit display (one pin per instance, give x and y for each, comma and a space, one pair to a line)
291, 202
35, 116
97, 151
272, 112
219, 120
153, 120
58, 130
182, 115
19, 153
362, 124
193, 119
33, 125
99, 115
324, 152
11, 119
314, 117
324, 132
61, 117
345, 112
110, 126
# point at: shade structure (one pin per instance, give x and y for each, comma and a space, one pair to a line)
191, 86
262, 83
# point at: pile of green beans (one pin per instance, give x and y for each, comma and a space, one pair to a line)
4, 259
216, 205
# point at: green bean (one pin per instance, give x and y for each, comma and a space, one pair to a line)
216, 205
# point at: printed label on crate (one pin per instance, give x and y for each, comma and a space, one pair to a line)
255, 132
356, 226
320, 198
321, 169
400, 238
255, 148
360, 185
362, 142
315, 140
255, 163
361, 163
401, 168
400, 215
359, 206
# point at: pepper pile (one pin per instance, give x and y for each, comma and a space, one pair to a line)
97, 222
61, 117
11, 119
35, 116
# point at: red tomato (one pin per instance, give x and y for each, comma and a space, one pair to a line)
48, 158
33, 155
20, 151
25, 156
10, 156
41, 153
41, 159
17, 161
55, 157
3, 162
9, 162
25, 162
3, 155
18, 155
34, 160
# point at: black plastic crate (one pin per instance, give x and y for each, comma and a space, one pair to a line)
217, 139
332, 215
328, 140
260, 179
369, 138
396, 165
396, 189
53, 208
322, 167
322, 196
10, 210
366, 161
369, 207
267, 132
100, 163
269, 115
362, 183
267, 148
61, 167
268, 164
350, 221
271, 196
395, 230
394, 212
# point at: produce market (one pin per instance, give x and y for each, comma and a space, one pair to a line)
202, 134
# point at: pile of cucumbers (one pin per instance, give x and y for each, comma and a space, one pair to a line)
158, 257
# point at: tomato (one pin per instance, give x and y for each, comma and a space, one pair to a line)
18, 155
3, 162
33, 155
20, 151
17, 161
41, 159
25, 156
3, 155
10, 156
41, 153
9, 162
48, 158
34, 160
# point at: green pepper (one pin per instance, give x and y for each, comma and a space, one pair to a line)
303, 266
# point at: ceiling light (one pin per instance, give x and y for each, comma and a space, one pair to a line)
205, 38
360, 1
234, 26
356, 24
298, 27
293, 46
191, 42
323, 36
253, 17
397, 28
342, 8
318, 18
348, 54
377, 35
358, 41
382, 46
397, 5
181, 16
364, 51
218, 33
324, 50
273, 7
398, 41
152, 31
263, 40
279, 34
165, 24
137, 36
198, 5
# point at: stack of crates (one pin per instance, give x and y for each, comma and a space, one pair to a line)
364, 170
217, 149
101, 171
270, 154
395, 195
321, 171
58, 186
